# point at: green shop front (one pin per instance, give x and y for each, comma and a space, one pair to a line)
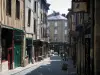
18, 47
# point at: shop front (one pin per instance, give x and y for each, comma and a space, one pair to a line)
29, 49
7, 48
38, 49
18, 47
11, 45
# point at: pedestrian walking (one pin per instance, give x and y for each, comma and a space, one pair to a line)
65, 56
61, 54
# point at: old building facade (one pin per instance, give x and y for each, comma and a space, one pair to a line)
30, 29
11, 33
86, 15
57, 28
35, 23
20, 32
43, 8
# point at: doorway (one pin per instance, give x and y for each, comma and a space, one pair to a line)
7, 46
18, 36
17, 54
87, 56
29, 50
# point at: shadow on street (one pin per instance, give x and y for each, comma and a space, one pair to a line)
52, 67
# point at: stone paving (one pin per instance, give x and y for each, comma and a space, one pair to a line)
49, 66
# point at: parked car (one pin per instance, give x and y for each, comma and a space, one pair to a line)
55, 53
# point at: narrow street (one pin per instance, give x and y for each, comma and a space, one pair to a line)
51, 66
49, 37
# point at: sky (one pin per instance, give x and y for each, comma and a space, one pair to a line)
59, 6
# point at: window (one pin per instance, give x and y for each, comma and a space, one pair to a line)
8, 7
41, 4
65, 37
65, 24
48, 31
55, 24
41, 33
29, 16
65, 31
34, 25
48, 25
46, 18
17, 9
41, 16
35, 6
55, 37
55, 31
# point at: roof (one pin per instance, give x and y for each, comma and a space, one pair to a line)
56, 17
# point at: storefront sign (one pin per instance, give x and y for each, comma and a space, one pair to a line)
79, 6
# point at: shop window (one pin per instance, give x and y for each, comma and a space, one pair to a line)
8, 7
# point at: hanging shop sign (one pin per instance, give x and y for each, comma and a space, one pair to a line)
79, 6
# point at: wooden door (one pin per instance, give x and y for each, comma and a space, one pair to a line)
17, 47
17, 54
10, 59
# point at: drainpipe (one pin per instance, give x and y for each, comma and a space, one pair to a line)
92, 37
0, 51
24, 40
0, 40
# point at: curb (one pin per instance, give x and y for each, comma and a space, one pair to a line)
30, 66
23, 69
16, 71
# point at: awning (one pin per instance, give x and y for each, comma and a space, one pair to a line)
18, 30
37, 43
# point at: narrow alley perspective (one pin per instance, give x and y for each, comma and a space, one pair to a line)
50, 66
49, 37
